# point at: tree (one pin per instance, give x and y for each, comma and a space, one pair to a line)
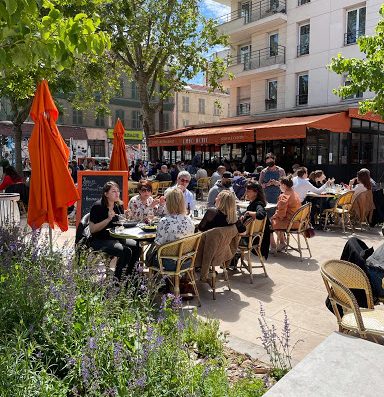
41, 41
162, 44
365, 74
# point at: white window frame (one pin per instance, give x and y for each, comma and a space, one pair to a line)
357, 21
300, 26
201, 105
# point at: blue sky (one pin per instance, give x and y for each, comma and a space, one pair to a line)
210, 9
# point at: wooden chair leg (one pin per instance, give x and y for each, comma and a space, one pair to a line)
176, 287
213, 284
299, 247
262, 261
309, 250
343, 221
326, 220
250, 266
194, 286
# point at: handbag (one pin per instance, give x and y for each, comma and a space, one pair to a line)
310, 232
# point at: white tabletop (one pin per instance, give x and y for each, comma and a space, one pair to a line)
135, 233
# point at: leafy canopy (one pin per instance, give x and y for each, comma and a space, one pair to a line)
365, 74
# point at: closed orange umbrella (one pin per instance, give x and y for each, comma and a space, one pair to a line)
119, 160
51, 190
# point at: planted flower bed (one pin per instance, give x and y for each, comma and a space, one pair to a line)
66, 331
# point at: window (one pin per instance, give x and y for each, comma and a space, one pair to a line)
134, 91
100, 120
185, 104
60, 119
271, 100
358, 94
273, 44
201, 105
243, 109
185, 123
77, 117
302, 90
355, 25
119, 114
136, 122
216, 109
303, 47
97, 147
245, 11
166, 122
245, 54
302, 2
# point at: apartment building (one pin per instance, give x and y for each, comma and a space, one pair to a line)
280, 49
196, 105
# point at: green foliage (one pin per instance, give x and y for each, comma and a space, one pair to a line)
248, 388
365, 74
162, 44
66, 330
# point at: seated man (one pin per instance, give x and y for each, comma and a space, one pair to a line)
224, 184
163, 175
182, 182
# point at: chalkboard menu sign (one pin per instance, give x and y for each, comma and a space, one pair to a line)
90, 186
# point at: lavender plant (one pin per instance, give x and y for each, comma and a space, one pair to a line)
278, 346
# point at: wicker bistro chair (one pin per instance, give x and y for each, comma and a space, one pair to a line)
155, 188
163, 186
176, 258
339, 277
203, 186
341, 209
297, 227
132, 188
252, 241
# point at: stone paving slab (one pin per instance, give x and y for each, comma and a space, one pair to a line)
294, 286
340, 366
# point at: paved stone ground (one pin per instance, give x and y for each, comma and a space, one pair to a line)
292, 285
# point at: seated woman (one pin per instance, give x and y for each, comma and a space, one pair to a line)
104, 213
317, 178
256, 210
361, 183
172, 227
287, 204
144, 205
223, 214
11, 177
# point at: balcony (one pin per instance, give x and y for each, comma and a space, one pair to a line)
259, 61
270, 104
351, 37
243, 109
264, 14
301, 99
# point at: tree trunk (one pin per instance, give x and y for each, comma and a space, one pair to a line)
18, 136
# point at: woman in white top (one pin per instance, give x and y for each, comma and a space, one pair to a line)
144, 205
172, 227
363, 181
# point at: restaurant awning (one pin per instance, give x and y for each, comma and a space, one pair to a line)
296, 127
354, 113
218, 135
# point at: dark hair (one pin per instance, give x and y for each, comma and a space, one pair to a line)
315, 174
106, 188
301, 171
364, 177
259, 168
11, 172
270, 156
144, 183
287, 180
256, 187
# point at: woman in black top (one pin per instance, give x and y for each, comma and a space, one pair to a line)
104, 213
224, 214
256, 210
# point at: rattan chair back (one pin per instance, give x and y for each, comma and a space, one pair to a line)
300, 219
344, 200
255, 232
155, 188
163, 186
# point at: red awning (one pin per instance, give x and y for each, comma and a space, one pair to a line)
296, 127
354, 114
218, 135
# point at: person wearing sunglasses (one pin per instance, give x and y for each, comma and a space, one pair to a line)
144, 206
182, 182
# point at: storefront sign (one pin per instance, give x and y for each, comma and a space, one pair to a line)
130, 136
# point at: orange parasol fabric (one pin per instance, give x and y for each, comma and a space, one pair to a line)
119, 160
51, 190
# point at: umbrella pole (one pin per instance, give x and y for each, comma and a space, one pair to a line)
50, 240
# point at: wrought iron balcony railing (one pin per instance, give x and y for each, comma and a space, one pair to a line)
257, 11
261, 58
270, 104
243, 109
301, 99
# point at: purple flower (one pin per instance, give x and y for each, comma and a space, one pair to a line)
92, 343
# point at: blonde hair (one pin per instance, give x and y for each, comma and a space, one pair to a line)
175, 202
226, 203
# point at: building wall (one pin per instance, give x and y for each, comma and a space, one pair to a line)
193, 116
327, 19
